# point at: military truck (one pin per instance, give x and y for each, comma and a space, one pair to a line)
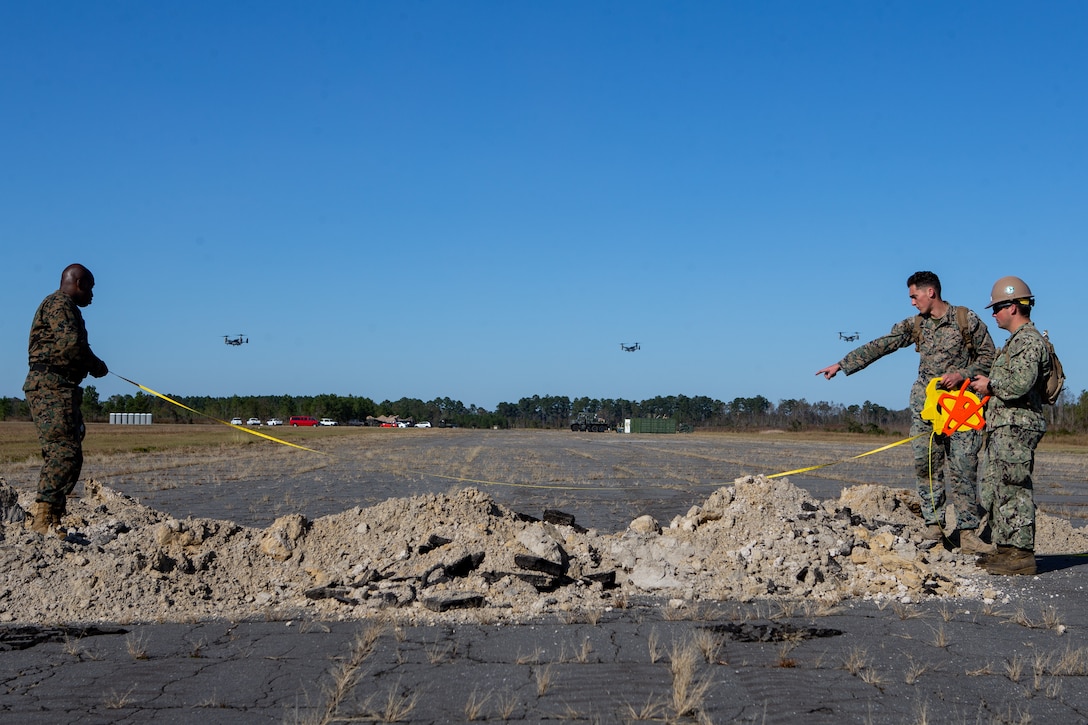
592, 423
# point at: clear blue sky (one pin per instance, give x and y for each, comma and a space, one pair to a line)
483, 199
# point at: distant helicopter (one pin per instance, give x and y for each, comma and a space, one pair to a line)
236, 340
629, 348
847, 337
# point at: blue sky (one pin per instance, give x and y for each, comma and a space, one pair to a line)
483, 199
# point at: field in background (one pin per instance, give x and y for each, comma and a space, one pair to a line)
605, 479
19, 442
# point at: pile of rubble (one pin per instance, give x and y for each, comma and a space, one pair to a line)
434, 557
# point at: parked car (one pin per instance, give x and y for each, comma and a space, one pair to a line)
274, 421
388, 425
253, 421
235, 421
356, 422
327, 421
297, 420
423, 424
403, 424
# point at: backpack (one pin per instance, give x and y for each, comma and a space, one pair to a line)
1055, 381
961, 322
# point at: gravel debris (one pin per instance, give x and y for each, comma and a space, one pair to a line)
462, 557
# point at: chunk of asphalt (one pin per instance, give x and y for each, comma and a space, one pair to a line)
21, 637
543, 582
555, 516
536, 563
752, 632
463, 600
560, 518
606, 579
340, 594
465, 565
434, 541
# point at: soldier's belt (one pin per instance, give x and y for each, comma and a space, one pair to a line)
45, 368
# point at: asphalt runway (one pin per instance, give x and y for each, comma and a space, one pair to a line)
1020, 659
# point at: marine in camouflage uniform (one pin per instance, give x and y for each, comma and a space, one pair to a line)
60, 358
944, 353
1014, 426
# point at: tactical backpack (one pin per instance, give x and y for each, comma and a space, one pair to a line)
961, 322
1055, 381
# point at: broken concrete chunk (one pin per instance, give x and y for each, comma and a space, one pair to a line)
645, 525
282, 536
539, 540
395, 594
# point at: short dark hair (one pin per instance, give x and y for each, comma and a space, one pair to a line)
925, 279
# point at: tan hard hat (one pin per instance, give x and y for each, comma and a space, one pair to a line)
1009, 289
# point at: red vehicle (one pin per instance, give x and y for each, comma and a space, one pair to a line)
297, 420
387, 425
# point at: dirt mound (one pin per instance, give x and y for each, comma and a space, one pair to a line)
461, 555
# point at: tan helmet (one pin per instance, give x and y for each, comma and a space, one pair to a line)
1011, 289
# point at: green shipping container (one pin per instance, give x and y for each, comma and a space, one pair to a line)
651, 425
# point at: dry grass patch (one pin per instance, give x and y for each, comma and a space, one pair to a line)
688, 687
344, 678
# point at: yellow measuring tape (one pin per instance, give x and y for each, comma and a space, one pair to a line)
205, 415
851, 458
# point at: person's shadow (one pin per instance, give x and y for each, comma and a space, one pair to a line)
1057, 562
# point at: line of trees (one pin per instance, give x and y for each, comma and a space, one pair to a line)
538, 411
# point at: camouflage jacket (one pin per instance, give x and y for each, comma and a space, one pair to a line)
58, 340
1018, 378
941, 350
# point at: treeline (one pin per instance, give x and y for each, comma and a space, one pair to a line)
548, 411
554, 411
538, 411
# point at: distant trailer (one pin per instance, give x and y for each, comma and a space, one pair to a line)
130, 418
649, 425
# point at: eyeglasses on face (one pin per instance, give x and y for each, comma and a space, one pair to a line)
1002, 306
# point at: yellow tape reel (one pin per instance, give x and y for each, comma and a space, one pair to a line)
953, 410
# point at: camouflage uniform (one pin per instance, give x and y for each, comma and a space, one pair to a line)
1014, 427
942, 349
59, 359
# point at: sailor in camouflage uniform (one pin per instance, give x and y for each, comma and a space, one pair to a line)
948, 354
60, 358
1014, 427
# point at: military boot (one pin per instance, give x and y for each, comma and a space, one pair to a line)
39, 517
1008, 561
971, 543
59, 529
932, 532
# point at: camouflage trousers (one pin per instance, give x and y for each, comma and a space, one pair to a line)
59, 421
1007, 490
947, 462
